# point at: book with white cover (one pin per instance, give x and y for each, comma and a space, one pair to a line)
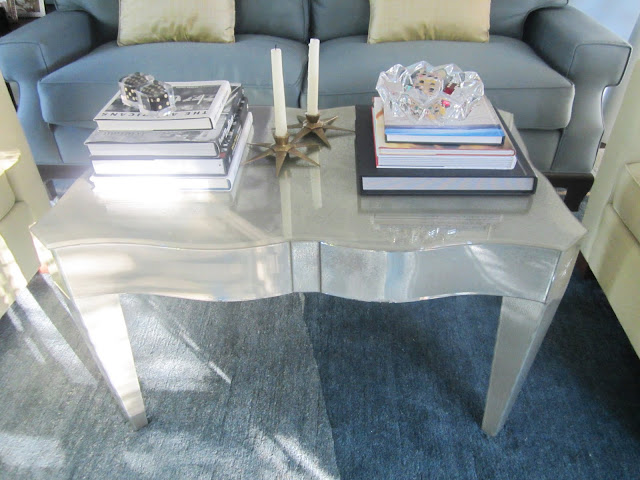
198, 106
428, 155
180, 182
197, 143
177, 165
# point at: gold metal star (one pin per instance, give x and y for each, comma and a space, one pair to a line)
282, 150
312, 124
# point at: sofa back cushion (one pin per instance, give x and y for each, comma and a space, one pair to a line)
508, 16
281, 18
329, 18
104, 11
342, 18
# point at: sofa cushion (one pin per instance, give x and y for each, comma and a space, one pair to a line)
7, 196
104, 11
458, 20
626, 197
281, 18
508, 16
170, 21
73, 94
341, 18
515, 78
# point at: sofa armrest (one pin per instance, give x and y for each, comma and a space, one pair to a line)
31, 52
577, 46
45, 45
592, 57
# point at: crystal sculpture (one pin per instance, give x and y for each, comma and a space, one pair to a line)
423, 92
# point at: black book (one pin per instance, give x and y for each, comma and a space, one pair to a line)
521, 180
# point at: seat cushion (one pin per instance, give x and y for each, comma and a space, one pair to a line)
73, 94
515, 78
615, 260
626, 197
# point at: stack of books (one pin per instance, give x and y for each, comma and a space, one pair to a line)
199, 146
477, 155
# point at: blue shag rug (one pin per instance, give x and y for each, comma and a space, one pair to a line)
309, 386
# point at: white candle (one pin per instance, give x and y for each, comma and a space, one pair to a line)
279, 106
312, 77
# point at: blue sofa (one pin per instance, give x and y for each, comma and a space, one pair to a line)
546, 62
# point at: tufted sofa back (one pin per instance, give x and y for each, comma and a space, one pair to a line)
323, 19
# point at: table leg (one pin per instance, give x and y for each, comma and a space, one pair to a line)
521, 329
102, 322
523, 325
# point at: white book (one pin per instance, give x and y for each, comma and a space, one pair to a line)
175, 165
164, 143
114, 183
198, 106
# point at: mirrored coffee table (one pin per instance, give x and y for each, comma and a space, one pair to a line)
308, 230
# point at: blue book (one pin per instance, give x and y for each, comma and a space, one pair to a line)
482, 126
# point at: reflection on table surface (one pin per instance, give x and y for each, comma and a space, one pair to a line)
305, 203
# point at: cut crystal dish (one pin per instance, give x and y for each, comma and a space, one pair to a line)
421, 91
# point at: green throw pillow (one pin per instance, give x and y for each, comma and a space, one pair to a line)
149, 21
462, 20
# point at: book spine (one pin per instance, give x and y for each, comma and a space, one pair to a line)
230, 140
141, 165
215, 111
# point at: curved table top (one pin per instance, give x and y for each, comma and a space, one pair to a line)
305, 203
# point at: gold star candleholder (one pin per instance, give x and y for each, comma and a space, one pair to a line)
282, 150
313, 124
